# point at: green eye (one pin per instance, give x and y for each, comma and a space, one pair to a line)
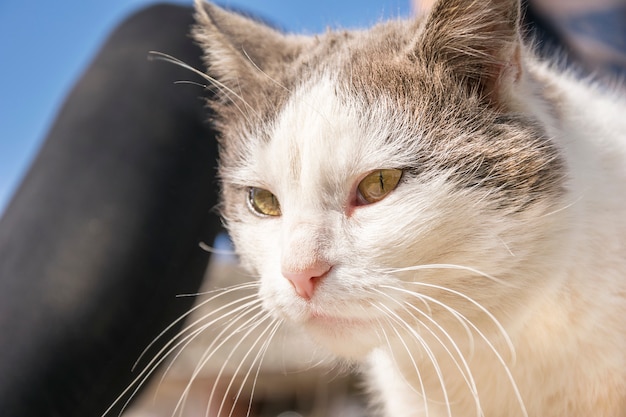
263, 202
375, 186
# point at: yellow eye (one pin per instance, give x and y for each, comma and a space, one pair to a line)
263, 202
377, 185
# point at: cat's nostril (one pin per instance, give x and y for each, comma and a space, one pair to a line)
304, 280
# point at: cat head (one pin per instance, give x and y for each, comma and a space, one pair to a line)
369, 174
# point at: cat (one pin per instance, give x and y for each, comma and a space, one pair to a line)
430, 201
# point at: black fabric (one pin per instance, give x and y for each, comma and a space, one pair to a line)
104, 231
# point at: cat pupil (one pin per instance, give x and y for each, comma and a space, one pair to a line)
377, 185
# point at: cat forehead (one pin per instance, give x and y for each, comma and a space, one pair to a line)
336, 80
368, 63
321, 135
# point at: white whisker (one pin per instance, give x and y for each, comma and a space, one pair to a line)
228, 312
258, 318
188, 82
211, 249
565, 207
463, 367
258, 359
231, 318
482, 309
213, 81
218, 293
167, 349
506, 246
501, 329
183, 342
431, 355
423, 298
265, 74
218, 342
450, 266
417, 371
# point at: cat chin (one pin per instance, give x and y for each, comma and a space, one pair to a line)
348, 339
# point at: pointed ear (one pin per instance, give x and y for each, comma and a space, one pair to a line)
237, 47
477, 41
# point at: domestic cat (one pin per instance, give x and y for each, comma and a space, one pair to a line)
431, 202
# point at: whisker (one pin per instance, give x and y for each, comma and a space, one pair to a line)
211, 249
240, 311
166, 350
259, 318
464, 369
565, 207
183, 342
501, 329
417, 371
274, 324
423, 298
494, 320
506, 246
203, 318
219, 293
220, 341
160, 56
450, 266
431, 355
282, 86
265, 74
197, 84
242, 360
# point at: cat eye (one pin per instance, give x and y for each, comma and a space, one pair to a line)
376, 185
263, 202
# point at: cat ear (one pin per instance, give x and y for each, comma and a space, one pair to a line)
477, 41
239, 50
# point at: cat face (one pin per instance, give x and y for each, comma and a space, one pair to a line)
382, 180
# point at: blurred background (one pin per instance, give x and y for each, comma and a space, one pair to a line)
45, 46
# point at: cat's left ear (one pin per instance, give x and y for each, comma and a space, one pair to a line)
477, 41
240, 51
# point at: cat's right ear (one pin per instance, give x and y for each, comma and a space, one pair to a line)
239, 51
479, 41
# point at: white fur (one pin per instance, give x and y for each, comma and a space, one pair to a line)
562, 307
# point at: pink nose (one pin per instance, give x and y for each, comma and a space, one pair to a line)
305, 280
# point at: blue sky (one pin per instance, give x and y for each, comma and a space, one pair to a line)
45, 45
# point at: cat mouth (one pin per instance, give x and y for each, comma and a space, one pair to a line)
348, 337
317, 318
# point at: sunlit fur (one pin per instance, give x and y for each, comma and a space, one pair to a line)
491, 280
